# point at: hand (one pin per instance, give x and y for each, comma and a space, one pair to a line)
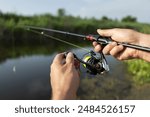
64, 77
123, 35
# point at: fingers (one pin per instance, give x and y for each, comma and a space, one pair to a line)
58, 59
70, 58
105, 32
112, 49
116, 50
95, 43
109, 47
97, 47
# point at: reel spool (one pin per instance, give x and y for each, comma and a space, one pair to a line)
93, 63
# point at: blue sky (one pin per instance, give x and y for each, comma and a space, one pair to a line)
84, 8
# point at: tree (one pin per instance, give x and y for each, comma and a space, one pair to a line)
129, 19
61, 12
1, 13
105, 18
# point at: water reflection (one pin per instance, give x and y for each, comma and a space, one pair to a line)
30, 79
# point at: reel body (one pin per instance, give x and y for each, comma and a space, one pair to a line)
94, 63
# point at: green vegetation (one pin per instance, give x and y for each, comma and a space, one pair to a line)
14, 37
140, 71
129, 19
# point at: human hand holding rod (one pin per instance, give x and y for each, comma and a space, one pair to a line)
126, 36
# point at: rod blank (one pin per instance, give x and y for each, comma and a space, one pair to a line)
99, 39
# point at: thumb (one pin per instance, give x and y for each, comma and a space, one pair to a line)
105, 32
70, 58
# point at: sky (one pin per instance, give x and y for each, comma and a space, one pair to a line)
115, 9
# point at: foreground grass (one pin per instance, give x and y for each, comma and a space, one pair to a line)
140, 70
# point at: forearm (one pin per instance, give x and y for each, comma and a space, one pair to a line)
145, 41
144, 55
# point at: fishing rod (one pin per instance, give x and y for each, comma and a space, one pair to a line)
94, 63
99, 39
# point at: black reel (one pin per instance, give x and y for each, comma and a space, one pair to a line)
95, 64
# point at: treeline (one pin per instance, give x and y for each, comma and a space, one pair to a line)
64, 22
12, 25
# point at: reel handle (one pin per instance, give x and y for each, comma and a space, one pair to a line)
76, 61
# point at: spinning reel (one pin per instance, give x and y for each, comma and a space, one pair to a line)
94, 63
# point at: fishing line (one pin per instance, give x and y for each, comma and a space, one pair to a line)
98, 38
93, 63
55, 38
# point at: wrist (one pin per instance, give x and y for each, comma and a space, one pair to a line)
63, 96
144, 55
144, 41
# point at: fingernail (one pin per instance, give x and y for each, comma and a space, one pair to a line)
114, 44
70, 54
